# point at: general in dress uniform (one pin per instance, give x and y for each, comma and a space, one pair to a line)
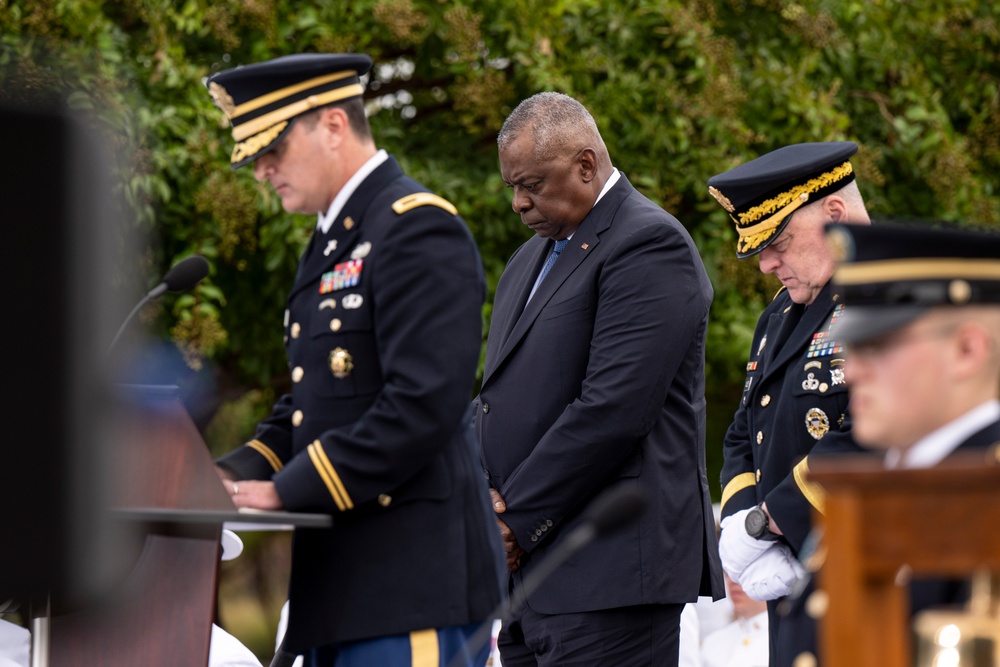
383, 328
794, 399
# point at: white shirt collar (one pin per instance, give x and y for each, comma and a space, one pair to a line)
612, 179
935, 446
326, 219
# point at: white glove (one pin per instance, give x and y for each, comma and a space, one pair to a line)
736, 548
772, 575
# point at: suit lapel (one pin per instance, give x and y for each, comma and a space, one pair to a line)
536, 252
581, 246
797, 332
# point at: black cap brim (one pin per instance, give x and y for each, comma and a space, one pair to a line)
771, 239
863, 323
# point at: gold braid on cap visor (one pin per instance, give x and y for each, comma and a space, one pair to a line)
257, 142
780, 207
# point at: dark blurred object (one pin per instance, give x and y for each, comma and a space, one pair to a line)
59, 313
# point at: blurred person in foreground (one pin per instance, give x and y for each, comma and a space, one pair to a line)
923, 332
795, 399
594, 381
383, 328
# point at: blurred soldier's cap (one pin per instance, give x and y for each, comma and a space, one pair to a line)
263, 100
762, 194
888, 275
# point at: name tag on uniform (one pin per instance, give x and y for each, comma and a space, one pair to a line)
344, 275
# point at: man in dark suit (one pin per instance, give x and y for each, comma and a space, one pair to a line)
594, 380
373, 430
794, 401
923, 330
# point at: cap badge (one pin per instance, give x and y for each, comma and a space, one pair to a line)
841, 245
959, 292
721, 198
342, 363
817, 423
223, 99
361, 250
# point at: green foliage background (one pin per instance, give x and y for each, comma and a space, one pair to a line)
681, 89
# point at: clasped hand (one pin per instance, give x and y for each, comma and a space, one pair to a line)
511, 548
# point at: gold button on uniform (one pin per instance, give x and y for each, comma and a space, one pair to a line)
765, 400
760, 437
758, 475
295, 329
384, 499
335, 324
297, 374
297, 420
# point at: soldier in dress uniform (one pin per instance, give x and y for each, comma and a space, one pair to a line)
923, 330
795, 396
383, 328
924, 335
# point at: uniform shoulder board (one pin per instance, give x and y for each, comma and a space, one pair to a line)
408, 202
778, 293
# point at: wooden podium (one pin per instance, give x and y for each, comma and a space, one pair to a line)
882, 526
171, 504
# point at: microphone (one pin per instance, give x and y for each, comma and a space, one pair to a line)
182, 276
605, 515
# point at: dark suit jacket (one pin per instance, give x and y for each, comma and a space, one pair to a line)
600, 382
373, 430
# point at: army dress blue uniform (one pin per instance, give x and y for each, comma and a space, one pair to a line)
794, 398
795, 401
383, 330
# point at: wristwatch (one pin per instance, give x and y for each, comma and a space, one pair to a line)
757, 525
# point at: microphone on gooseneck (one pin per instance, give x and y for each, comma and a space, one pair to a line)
181, 277
605, 514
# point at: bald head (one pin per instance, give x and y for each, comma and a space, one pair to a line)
558, 124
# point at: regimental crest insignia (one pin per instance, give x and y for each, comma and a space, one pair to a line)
223, 99
817, 423
721, 198
341, 363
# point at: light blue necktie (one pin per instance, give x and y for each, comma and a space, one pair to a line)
548, 264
